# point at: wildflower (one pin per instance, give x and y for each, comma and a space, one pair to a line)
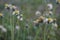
50, 20
54, 26
50, 6
14, 8
50, 13
8, 6
17, 27
39, 20
3, 29
45, 20
1, 14
16, 12
38, 13
20, 17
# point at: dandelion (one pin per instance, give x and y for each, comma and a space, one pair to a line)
50, 6
20, 18
3, 29
50, 13
38, 13
16, 12
14, 8
1, 14
54, 26
50, 20
39, 20
17, 27
8, 6
45, 20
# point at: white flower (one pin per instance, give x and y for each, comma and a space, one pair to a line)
4, 29
17, 27
21, 14
8, 5
16, 12
21, 19
50, 6
38, 13
14, 8
55, 25
50, 20
50, 13
18, 17
45, 20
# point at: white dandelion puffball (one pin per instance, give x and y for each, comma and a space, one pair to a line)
4, 29
17, 27
50, 6
50, 12
21, 19
38, 13
18, 17
45, 20
13, 13
14, 7
55, 25
10, 6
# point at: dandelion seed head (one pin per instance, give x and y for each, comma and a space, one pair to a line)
17, 27
21, 19
38, 13
50, 12
45, 20
50, 6
18, 17
4, 29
